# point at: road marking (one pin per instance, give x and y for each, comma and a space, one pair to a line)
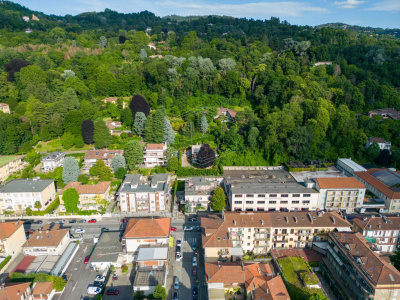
74, 286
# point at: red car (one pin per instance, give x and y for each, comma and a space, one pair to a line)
173, 228
86, 261
194, 271
30, 231
92, 221
112, 292
124, 220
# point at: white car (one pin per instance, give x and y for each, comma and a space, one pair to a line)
187, 228
194, 261
179, 243
79, 230
178, 257
93, 290
100, 278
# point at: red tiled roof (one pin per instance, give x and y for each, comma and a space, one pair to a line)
110, 100
340, 183
377, 184
42, 288
42, 238
11, 290
368, 223
8, 228
155, 146
24, 264
377, 140
102, 154
3, 104
144, 227
99, 188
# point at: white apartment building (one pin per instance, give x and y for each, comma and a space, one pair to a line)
10, 165
155, 155
53, 160
199, 190
382, 144
91, 157
141, 193
340, 193
18, 194
5, 108
272, 189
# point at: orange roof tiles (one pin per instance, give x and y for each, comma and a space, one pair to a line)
99, 188
11, 290
8, 228
155, 146
51, 238
42, 288
377, 184
144, 227
340, 183
368, 223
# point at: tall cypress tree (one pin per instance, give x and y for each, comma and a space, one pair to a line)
139, 125
158, 125
205, 157
102, 137
139, 104
148, 130
169, 135
87, 129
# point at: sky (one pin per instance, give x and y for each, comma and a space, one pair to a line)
374, 13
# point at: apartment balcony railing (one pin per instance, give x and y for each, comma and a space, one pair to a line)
261, 236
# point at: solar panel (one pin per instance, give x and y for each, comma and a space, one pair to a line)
387, 177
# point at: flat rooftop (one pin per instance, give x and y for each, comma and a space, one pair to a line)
107, 248
352, 164
43, 264
149, 277
308, 175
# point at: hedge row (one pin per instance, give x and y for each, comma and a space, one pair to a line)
4, 262
188, 171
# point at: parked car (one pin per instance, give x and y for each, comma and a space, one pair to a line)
195, 291
194, 263
61, 222
192, 219
30, 231
194, 271
197, 280
112, 292
187, 228
194, 246
178, 249
99, 278
93, 290
175, 296
72, 221
92, 221
105, 229
100, 284
79, 230
38, 222
178, 257
28, 222
179, 243
124, 220
176, 284
349, 217
86, 261
173, 228
82, 221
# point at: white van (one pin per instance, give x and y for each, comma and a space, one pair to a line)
93, 290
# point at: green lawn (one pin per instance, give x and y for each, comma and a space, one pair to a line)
6, 159
293, 268
56, 145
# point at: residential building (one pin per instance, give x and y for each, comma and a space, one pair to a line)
146, 280
383, 145
10, 165
226, 238
91, 157
194, 151
43, 291
348, 166
34, 18
198, 192
16, 291
155, 155
5, 108
226, 112
114, 127
25, 18
354, 268
53, 160
323, 63
47, 241
152, 257
152, 46
156, 56
382, 231
146, 231
383, 183
267, 189
340, 193
12, 237
114, 100
106, 251
19, 194
141, 193
385, 113
256, 281
91, 196
28, 30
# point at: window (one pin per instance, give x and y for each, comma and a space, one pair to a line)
295, 202
272, 195
238, 196
296, 195
284, 195
248, 237
276, 231
306, 202
261, 195
284, 202
249, 230
272, 202
250, 195
249, 202
238, 202
260, 202
284, 231
306, 195
248, 244
315, 230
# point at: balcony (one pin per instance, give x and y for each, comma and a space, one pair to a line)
261, 236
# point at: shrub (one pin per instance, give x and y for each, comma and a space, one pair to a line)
124, 269
4, 262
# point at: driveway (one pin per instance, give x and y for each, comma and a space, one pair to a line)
123, 284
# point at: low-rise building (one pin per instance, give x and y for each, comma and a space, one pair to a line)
225, 238
383, 145
152, 257
383, 183
198, 192
340, 193
12, 237
385, 113
53, 160
155, 155
19, 194
5, 108
47, 241
16, 291
114, 127
226, 112
114, 100
194, 151
91, 196
323, 63
10, 165
360, 273
141, 193
106, 251
91, 157
43, 291
348, 166
381, 231
146, 231
267, 189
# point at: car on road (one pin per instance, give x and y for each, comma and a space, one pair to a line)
86, 261
192, 219
93, 290
195, 297
72, 221
187, 228
197, 280
178, 257
112, 292
61, 222
99, 278
30, 231
178, 249
100, 284
124, 220
194, 246
194, 262
173, 228
92, 221
195, 291
105, 229
82, 221
176, 284
194, 271
175, 296
38, 222
28, 222
179, 243
79, 230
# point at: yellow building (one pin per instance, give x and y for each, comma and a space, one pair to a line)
12, 237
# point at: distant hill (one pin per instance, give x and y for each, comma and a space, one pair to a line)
395, 32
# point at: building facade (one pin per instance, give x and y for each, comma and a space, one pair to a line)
19, 194
16, 291
5, 108
385, 113
155, 155
91, 157
340, 193
10, 166
12, 237
348, 166
198, 192
383, 145
141, 193
52, 161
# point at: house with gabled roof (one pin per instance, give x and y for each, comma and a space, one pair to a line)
12, 237
91, 157
382, 144
16, 291
5, 108
155, 155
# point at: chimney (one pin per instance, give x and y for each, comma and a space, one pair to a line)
18, 292
267, 291
234, 222
262, 222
